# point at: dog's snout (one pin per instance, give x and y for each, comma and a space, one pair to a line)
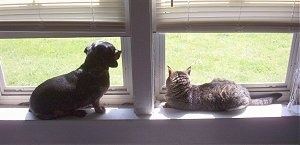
117, 54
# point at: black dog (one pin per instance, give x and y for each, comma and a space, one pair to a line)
65, 94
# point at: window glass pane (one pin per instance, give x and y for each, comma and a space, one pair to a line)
242, 57
29, 62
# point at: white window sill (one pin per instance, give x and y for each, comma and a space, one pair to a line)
264, 125
275, 110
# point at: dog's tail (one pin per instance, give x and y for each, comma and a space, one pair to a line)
266, 100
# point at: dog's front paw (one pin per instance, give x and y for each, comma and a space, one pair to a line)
99, 109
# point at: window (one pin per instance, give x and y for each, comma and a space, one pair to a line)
250, 38
143, 61
259, 61
27, 62
29, 28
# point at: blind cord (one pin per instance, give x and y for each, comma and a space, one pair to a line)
188, 18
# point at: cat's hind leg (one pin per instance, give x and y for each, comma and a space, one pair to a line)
237, 108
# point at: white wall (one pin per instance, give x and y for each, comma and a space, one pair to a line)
281, 130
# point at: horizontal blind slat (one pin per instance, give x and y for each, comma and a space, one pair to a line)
240, 15
63, 15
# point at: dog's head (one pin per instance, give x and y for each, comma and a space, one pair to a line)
104, 52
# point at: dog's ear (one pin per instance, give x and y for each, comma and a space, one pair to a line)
89, 48
86, 50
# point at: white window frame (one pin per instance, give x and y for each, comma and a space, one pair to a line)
254, 89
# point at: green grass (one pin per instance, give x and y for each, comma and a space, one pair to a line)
28, 62
242, 57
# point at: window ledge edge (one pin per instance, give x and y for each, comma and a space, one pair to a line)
274, 110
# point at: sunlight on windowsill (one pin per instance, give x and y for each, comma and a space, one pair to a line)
275, 110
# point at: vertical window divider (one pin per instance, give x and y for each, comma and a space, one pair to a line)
2, 82
127, 17
294, 54
159, 61
293, 75
142, 56
126, 58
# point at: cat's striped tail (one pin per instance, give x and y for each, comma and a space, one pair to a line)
266, 100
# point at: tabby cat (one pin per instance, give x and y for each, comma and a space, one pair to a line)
218, 95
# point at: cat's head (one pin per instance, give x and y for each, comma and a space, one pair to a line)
178, 77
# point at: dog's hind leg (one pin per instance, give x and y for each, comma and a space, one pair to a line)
43, 116
60, 114
78, 113
46, 117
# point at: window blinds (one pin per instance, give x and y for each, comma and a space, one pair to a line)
63, 15
226, 15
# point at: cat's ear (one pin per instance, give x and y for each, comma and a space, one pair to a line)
188, 70
170, 71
